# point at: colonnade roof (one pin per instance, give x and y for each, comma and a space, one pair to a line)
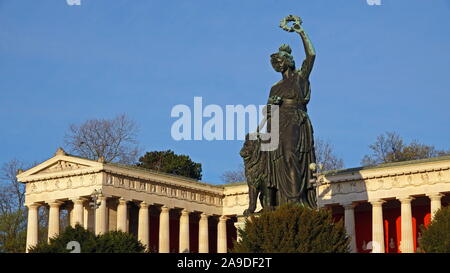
386, 165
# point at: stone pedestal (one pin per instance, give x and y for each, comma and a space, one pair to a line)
240, 225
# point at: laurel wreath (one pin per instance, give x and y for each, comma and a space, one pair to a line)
290, 18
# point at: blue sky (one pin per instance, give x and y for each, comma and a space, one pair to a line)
378, 68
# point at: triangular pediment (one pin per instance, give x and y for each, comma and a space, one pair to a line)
60, 164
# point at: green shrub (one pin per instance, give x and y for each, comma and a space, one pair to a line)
118, 242
59, 243
436, 237
293, 229
110, 242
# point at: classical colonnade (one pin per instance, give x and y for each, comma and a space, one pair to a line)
378, 233
80, 213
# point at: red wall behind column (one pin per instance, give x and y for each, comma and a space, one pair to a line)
363, 230
392, 227
174, 225
421, 216
212, 234
392, 231
154, 232
231, 232
193, 233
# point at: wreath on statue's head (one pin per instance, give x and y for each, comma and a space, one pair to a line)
290, 18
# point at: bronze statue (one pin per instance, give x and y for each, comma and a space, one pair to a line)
288, 168
255, 162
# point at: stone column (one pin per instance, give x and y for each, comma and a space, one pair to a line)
77, 214
122, 215
88, 217
203, 239
407, 242
222, 235
240, 225
32, 225
101, 224
184, 231
436, 203
143, 227
349, 220
377, 226
164, 230
69, 208
53, 219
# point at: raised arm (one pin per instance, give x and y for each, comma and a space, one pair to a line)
310, 53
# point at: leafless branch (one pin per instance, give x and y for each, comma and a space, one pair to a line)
114, 139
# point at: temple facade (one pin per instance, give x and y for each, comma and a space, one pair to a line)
382, 207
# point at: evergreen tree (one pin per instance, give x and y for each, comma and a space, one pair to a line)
169, 162
436, 237
58, 244
292, 228
110, 242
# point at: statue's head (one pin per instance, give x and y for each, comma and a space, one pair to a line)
282, 60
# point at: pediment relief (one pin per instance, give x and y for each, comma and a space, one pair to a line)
61, 166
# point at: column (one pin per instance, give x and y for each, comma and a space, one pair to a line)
53, 219
435, 203
349, 221
184, 231
407, 242
32, 225
88, 218
222, 235
77, 214
69, 208
122, 215
377, 226
164, 231
240, 225
143, 227
101, 225
203, 239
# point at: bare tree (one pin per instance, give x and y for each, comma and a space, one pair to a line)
234, 176
113, 139
325, 157
12, 209
12, 192
390, 147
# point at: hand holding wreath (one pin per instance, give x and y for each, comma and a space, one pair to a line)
296, 24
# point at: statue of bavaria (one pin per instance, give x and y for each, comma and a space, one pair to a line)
284, 174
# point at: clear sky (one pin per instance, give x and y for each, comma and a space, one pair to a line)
378, 68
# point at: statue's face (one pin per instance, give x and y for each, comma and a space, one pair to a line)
278, 63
